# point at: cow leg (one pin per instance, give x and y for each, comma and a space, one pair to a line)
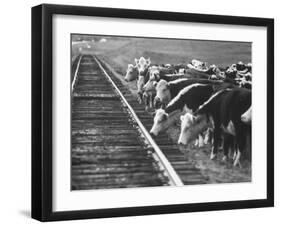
228, 145
200, 141
209, 136
217, 134
206, 138
140, 97
146, 101
232, 149
241, 140
150, 101
237, 159
196, 142
234, 153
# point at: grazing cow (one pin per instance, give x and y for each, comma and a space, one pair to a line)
249, 67
240, 66
247, 76
247, 116
180, 68
223, 109
165, 91
195, 73
198, 64
215, 73
150, 84
188, 100
132, 73
243, 83
181, 71
230, 73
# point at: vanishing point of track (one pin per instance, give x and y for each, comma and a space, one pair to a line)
111, 147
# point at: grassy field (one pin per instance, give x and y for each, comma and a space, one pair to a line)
119, 52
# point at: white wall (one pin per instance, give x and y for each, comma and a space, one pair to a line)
15, 112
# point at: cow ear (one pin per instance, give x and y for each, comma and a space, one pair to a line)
148, 61
136, 61
182, 117
165, 116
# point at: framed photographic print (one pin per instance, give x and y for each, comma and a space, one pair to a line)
147, 112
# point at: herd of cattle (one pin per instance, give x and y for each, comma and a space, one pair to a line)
211, 102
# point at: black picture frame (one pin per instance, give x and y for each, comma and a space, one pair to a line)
42, 108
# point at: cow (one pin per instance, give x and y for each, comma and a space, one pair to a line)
198, 64
142, 65
243, 82
223, 111
230, 73
249, 67
247, 116
180, 68
143, 70
240, 66
165, 91
132, 73
187, 100
150, 84
154, 73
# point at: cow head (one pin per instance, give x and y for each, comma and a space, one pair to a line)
191, 126
163, 93
132, 73
142, 65
153, 76
160, 122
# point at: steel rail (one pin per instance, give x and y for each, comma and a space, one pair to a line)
165, 165
75, 74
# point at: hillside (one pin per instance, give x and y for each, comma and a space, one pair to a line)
122, 51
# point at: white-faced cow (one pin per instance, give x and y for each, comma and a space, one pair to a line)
187, 100
223, 110
155, 73
158, 73
142, 66
132, 73
165, 91
198, 64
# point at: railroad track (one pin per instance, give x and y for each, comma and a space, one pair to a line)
111, 147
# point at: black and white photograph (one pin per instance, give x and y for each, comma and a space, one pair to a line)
141, 112
149, 112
